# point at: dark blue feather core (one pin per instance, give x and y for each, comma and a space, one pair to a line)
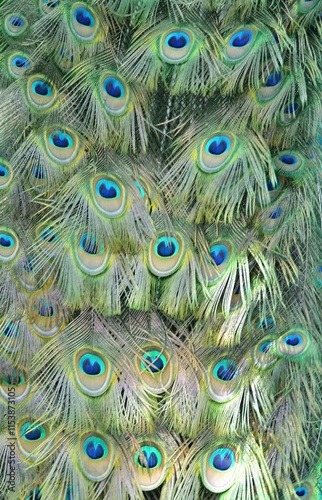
166, 249
293, 340
177, 40
6, 241
17, 22
241, 39
38, 172
89, 245
94, 451
21, 62
265, 347
51, 3
291, 108
154, 365
4, 172
273, 79
42, 88
276, 214
114, 88
46, 310
288, 159
226, 370
91, 367
301, 491
271, 186
84, 17
151, 459
34, 494
219, 254
222, 459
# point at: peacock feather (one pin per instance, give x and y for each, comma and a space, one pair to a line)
160, 250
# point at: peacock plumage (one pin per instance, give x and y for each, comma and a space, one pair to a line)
160, 250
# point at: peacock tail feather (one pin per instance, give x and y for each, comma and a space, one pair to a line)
160, 250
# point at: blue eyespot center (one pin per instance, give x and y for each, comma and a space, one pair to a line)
301, 491
154, 361
288, 159
38, 172
177, 40
273, 79
27, 265
293, 340
89, 245
34, 434
319, 269
48, 235
291, 108
265, 347
91, 364
276, 214
84, 17
225, 370
95, 448
51, 3
273, 186
219, 254
114, 88
152, 457
21, 62
34, 494
166, 246
61, 139
41, 88
222, 459
218, 145
46, 310
6, 241
4, 172
241, 39
10, 331
17, 22
108, 189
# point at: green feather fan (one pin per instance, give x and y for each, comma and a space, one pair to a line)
160, 250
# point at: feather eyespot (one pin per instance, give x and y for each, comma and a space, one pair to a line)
219, 468
18, 63
62, 146
156, 369
45, 317
290, 113
19, 381
93, 372
239, 44
223, 380
264, 353
5, 174
29, 438
96, 456
304, 490
215, 152
109, 196
41, 94
306, 5
91, 256
15, 24
293, 344
165, 255
220, 253
47, 6
84, 22
114, 94
175, 46
271, 87
150, 465
289, 163
9, 245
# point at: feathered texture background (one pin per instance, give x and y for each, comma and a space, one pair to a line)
160, 249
